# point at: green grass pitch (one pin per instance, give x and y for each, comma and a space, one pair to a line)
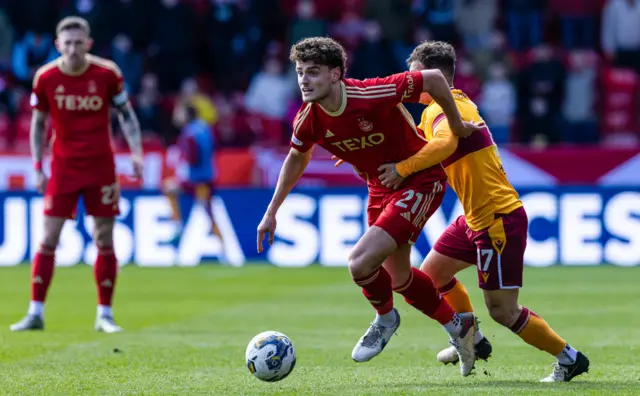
186, 330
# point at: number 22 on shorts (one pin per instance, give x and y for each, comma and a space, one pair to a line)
110, 194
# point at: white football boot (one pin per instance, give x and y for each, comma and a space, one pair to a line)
464, 343
565, 373
450, 355
374, 340
29, 322
106, 324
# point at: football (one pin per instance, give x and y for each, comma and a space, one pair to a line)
270, 356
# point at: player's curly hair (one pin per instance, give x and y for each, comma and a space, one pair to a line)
435, 55
323, 51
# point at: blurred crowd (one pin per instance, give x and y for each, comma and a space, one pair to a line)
541, 71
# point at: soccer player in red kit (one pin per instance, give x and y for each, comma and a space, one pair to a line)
77, 90
365, 123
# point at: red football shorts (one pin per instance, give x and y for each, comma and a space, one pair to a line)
403, 213
100, 200
498, 250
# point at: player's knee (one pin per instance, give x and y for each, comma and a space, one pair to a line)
103, 232
438, 271
359, 265
50, 238
52, 231
502, 312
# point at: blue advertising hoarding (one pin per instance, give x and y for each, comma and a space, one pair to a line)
570, 226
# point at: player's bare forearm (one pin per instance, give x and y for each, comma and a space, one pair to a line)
440, 148
130, 128
292, 169
438, 88
37, 135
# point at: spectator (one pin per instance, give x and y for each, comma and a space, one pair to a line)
95, 13
147, 104
129, 61
373, 57
226, 28
267, 97
29, 53
466, 78
193, 95
524, 20
621, 33
393, 16
579, 19
580, 98
540, 92
130, 19
439, 16
6, 39
38, 16
233, 129
306, 23
173, 43
498, 103
475, 20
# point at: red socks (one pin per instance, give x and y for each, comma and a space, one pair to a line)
105, 271
42, 272
420, 292
377, 289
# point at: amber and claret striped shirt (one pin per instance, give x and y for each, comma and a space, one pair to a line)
474, 169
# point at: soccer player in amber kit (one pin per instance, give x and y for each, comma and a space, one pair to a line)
365, 123
77, 90
492, 234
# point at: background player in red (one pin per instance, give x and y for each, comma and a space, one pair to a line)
365, 123
76, 90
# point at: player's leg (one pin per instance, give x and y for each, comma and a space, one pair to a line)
365, 266
452, 253
500, 270
58, 208
204, 193
102, 204
172, 190
420, 292
397, 221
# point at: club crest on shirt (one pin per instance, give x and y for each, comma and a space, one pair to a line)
365, 125
92, 86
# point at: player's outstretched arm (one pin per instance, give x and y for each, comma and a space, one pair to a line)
131, 130
443, 145
435, 84
292, 169
36, 139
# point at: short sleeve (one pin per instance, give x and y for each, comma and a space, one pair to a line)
117, 90
38, 99
401, 87
302, 138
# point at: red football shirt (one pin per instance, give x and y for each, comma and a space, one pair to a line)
371, 128
79, 108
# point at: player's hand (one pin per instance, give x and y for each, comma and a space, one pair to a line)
266, 227
465, 129
339, 162
390, 177
138, 166
41, 182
